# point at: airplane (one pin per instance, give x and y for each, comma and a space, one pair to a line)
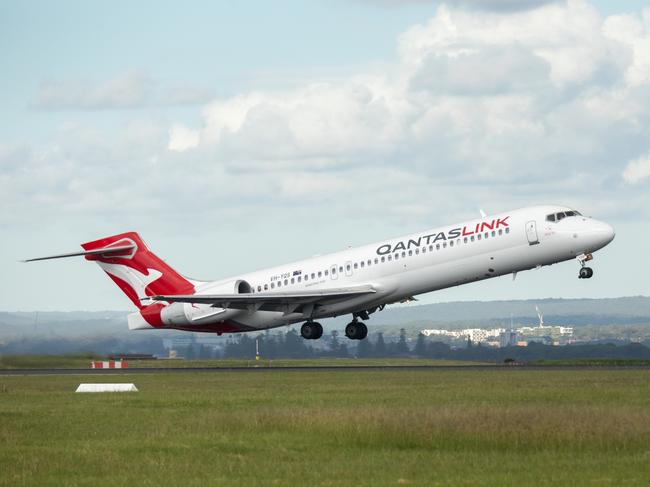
357, 281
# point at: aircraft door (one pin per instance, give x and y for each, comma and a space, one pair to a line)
531, 233
333, 272
348, 268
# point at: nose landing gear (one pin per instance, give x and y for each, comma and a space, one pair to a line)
585, 272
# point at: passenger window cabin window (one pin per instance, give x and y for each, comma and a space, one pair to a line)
326, 272
500, 231
292, 280
279, 283
417, 251
451, 243
369, 262
341, 269
444, 245
465, 240
320, 274
494, 234
376, 260
286, 282
486, 234
299, 278
507, 230
383, 259
306, 277
431, 248
424, 250
313, 275
356, 266
403, 254
259, 289
472, 238
396, 256
410, 253
478, 236
348, 267
390, 257
437, 246
363, 264
266, 287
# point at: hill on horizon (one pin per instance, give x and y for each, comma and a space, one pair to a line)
569, 312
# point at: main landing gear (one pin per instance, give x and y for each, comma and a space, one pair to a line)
356, 330
585, 272
311, 330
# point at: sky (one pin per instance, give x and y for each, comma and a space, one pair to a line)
235, 136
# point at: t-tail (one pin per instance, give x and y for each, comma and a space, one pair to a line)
137, 271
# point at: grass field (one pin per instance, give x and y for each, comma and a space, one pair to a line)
364, 427
83, 362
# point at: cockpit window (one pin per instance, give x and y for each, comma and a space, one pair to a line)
556, 217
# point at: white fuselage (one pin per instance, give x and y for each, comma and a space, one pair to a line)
400, 268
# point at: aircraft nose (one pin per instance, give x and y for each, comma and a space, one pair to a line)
608, 232
604, 233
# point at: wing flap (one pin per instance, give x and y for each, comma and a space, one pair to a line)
269, 301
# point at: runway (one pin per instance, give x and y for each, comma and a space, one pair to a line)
310, 368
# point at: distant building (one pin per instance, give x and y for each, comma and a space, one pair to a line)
555, 335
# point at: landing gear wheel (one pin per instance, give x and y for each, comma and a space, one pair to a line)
364, 331
356, 330
311, 330
319, 330
585, 273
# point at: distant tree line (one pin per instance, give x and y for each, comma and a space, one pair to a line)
291, 345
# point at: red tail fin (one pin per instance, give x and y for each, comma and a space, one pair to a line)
139, 273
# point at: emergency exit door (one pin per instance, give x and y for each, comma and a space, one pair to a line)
531, 233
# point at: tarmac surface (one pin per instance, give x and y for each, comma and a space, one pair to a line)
314, 368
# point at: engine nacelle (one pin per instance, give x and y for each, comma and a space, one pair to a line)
188, 314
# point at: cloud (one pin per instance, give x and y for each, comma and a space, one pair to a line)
483, 5
490, 108
131, 89
128, 90
482, 71
182, 138
637, 169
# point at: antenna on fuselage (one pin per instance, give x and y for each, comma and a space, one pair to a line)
483, 214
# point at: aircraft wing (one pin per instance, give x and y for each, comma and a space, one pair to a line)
288, 302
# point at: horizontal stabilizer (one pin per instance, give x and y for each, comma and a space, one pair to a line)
107, 251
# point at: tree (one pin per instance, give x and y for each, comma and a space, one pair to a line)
439, 350
420, 346
190, 353
205, 352
364, 348
402, 347
380, 346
